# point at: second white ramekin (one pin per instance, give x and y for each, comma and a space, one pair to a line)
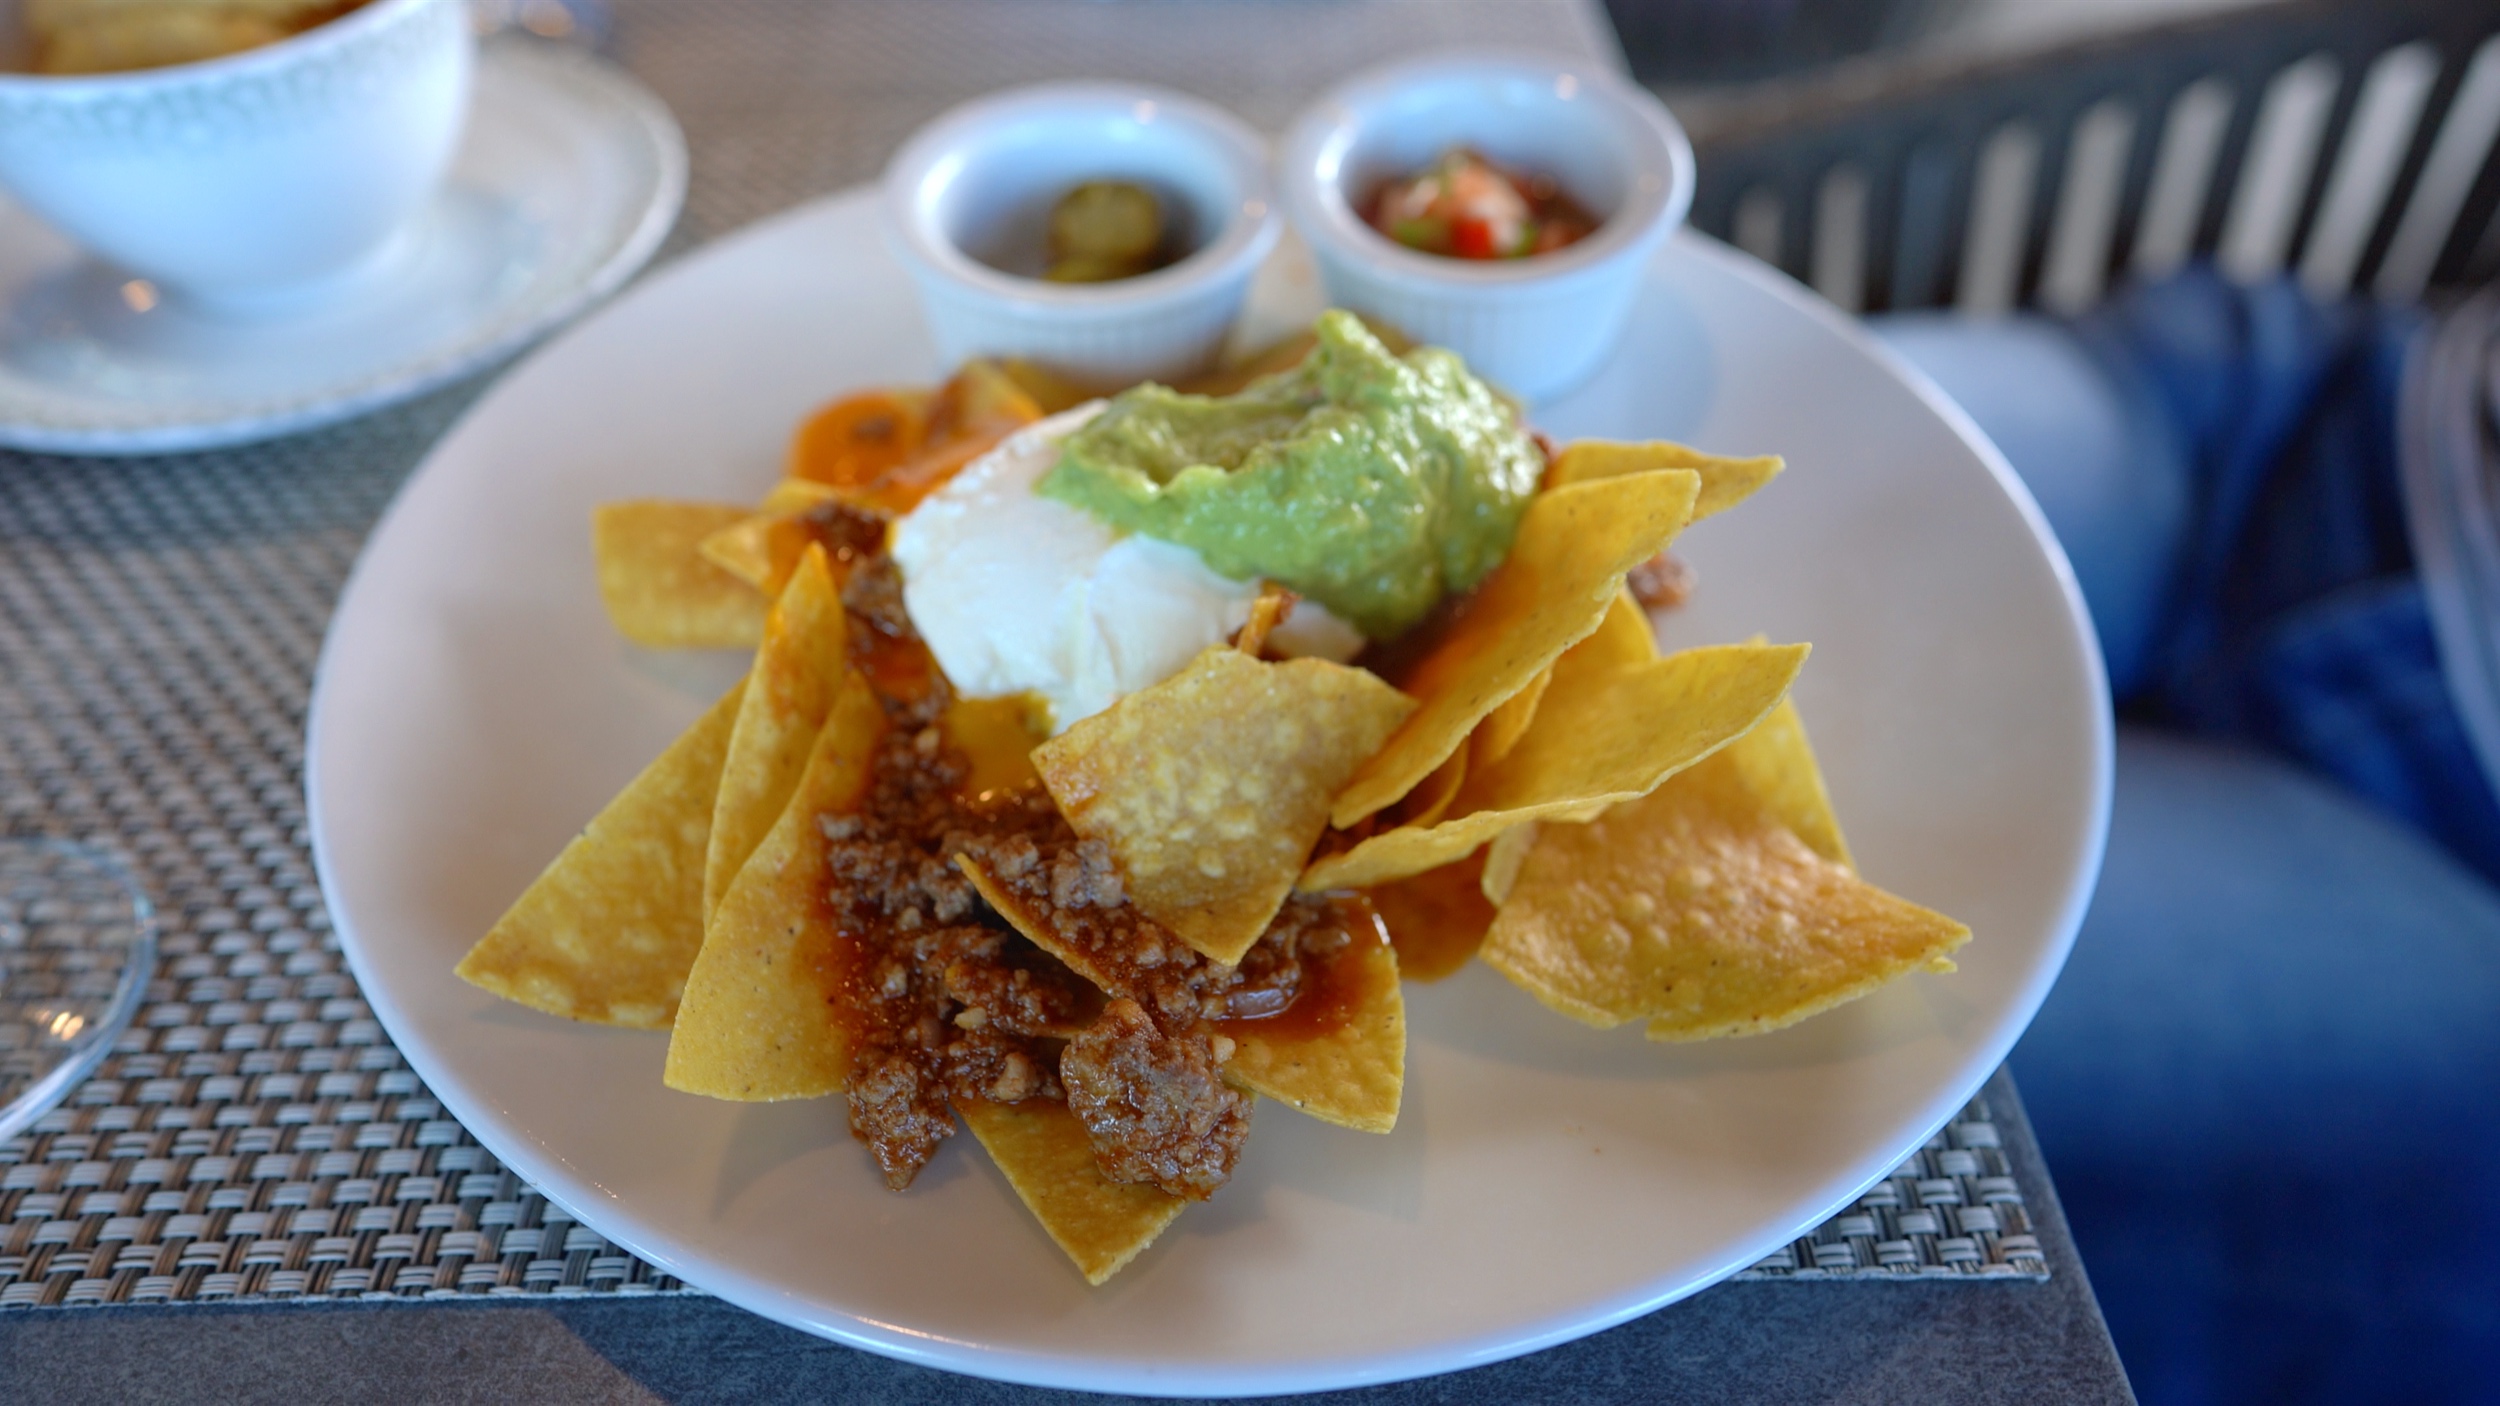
1537, 326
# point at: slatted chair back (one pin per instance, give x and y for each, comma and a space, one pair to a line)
2350, 142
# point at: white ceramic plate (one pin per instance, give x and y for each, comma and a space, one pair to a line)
473, 708
569, 175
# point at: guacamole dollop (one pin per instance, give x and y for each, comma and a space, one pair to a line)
1372, 483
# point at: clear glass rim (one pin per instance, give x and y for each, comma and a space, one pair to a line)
97, 1040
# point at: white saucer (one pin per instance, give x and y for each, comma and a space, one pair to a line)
570, 174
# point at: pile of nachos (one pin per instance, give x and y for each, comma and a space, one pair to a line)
1106, 765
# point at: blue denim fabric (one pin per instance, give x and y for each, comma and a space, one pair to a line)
2297, 623
2291, 619
2266, 1086
2267, 1079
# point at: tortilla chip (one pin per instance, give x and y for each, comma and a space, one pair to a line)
609, 931
1269, 609
793, 496
1505, 725
748, 547
1564, 571
659, 589
976, 408
762, 550
1780, 771
1046, 1156
789, 691
1427, 803
1438, 918
1623, 640
1592, 746
1022, 917
1343, 1059
754, 1026
1725, 481
1050, 391
982, 400
1502, 859
1343, 1062
1695, 908
1236, 373
997, 736
1211, 787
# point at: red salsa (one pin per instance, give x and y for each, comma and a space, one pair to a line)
1465, 206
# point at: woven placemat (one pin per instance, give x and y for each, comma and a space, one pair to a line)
254, 1136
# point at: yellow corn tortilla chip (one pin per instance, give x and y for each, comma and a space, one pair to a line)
763, 548
790, 497
1502, 859
1023, 919
1725, 481
1343, 1061
1427, 803
1211, 787
1590, 747
756, 549
660, 590
1507, 723
1695, 908
1565, 568
1779, 770
609, 931
789, 691
1347, 1065
1045, 1155
1623, 640
1437, 919
997, 737
1272, 606
754, 1025
1051, 391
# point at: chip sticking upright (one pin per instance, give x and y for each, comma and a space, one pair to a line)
789, 692
753, 1024
1565, 569
1590, 747
1725, 480
1211, 786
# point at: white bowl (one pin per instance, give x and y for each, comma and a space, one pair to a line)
255, 176
1537, 326
967, 205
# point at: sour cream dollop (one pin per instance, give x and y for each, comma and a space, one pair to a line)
1016, 593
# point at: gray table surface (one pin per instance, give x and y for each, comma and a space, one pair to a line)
783, 100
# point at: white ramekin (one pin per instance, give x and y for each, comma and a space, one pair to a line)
252, 176
968, 198
1536, 326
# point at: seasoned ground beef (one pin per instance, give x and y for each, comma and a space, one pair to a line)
1128, 1075
1155, 1104
873, 595
945, 1001
1662, 582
